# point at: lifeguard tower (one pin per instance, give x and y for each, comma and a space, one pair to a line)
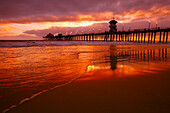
113, 26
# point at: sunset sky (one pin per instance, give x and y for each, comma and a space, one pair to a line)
32, 19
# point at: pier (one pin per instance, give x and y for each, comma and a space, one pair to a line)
139, 36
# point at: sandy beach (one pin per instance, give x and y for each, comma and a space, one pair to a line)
148, 93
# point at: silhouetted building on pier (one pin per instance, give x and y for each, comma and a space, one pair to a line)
113, 26
49, 35
59, 37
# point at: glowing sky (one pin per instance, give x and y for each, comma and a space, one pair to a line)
32, 19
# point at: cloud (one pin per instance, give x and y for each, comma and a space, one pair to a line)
97, 27
27, 11
153, 14
21, 37
50, 18
8, 30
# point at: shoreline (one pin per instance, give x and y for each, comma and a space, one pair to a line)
157, 42
53, 40
42, 43
138, 94
43, 91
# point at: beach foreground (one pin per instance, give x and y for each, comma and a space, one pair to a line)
77, 77
148, 93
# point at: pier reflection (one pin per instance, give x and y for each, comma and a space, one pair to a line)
129, 58
128, 61
137, 55
113, 59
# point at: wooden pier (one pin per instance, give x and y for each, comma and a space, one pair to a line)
138, 35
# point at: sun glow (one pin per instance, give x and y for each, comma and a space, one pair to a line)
18, 29
9, 30
47, 25
66, 24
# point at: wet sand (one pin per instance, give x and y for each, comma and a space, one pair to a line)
147, 93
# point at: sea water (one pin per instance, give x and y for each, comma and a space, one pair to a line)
28, 68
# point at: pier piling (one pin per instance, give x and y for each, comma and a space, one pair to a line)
167, 37
164, 37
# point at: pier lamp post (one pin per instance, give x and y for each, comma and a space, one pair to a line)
149, 25
156, 25
93, 30
105, 29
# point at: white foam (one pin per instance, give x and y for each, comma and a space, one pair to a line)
39, 93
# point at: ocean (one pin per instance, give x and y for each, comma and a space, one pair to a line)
29, 68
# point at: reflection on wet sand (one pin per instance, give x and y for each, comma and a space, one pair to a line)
113, 60
149, 55
28, 70
122, 62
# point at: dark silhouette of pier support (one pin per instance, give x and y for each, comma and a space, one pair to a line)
148, 36
154, 36
167, 36
151, 36
144, 36
163, 37
141, 37
160, 36
133, 36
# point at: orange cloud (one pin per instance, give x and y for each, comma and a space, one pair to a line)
6, 29
141, 15
105, 16
9, 31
